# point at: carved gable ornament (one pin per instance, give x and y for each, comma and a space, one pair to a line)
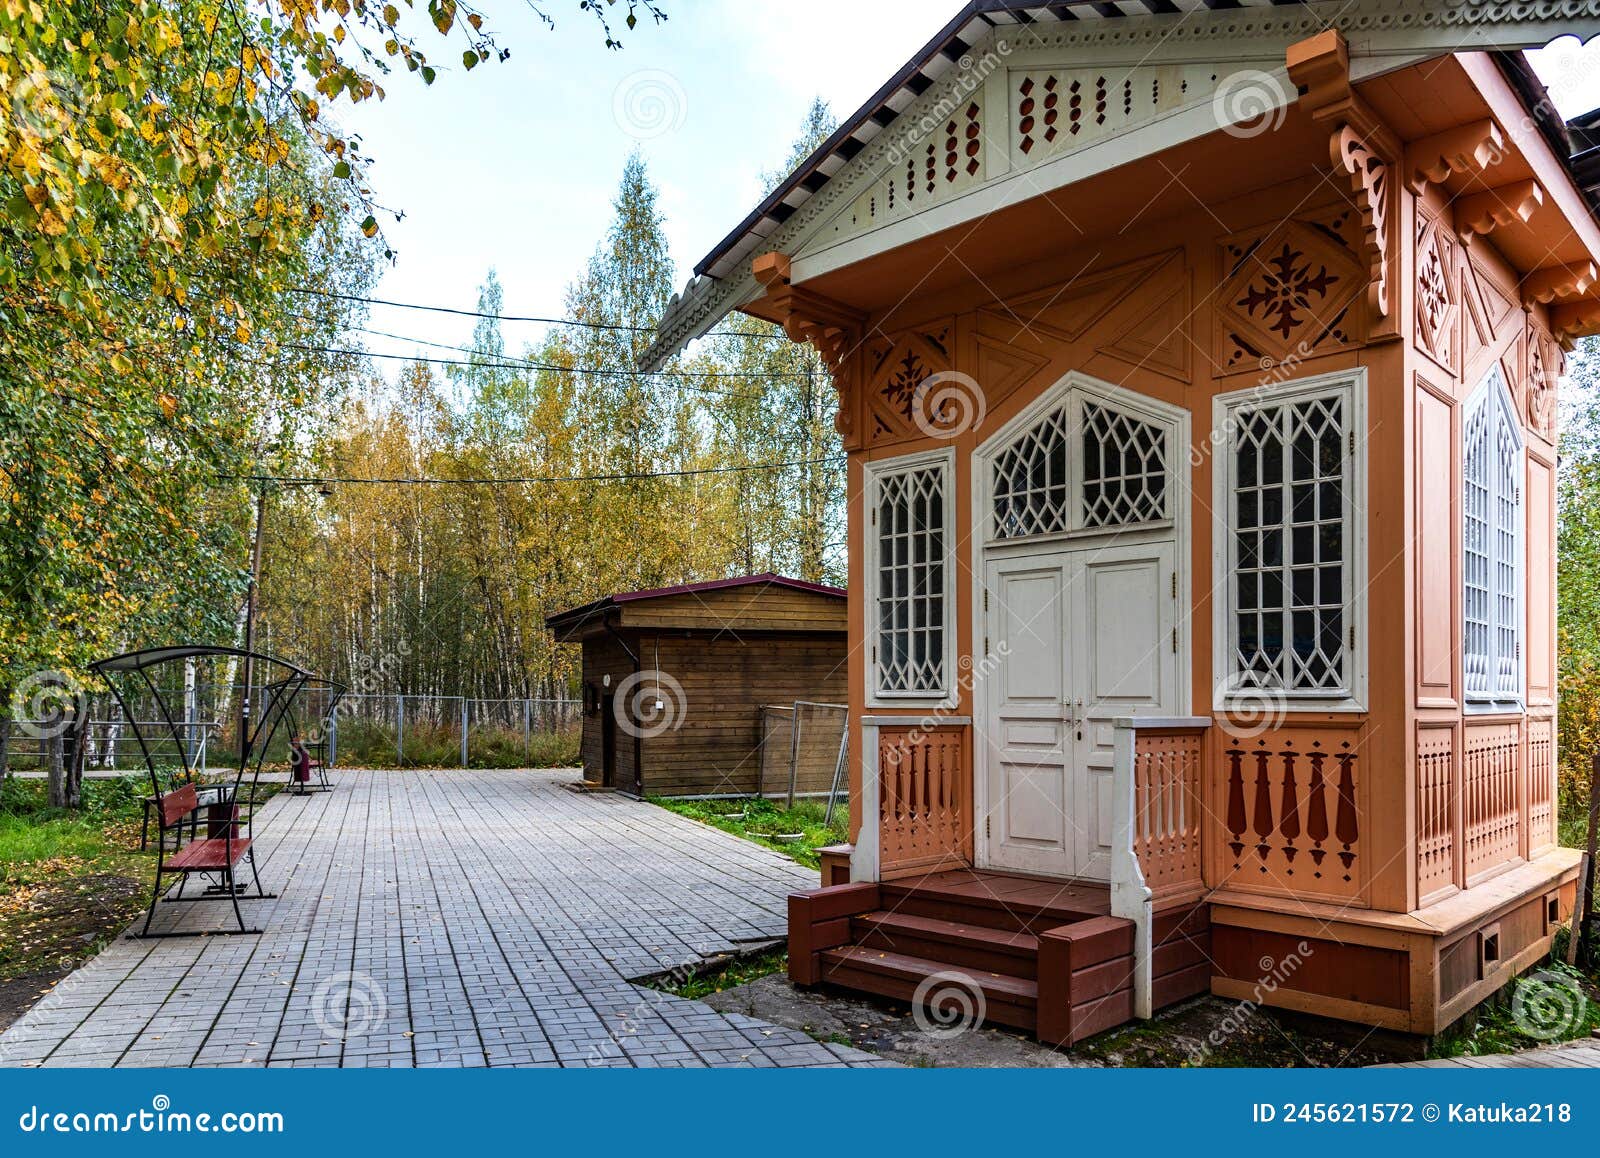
899, 368
1545, 363
1289, 291
1438, 306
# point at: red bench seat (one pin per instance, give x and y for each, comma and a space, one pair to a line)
208, 855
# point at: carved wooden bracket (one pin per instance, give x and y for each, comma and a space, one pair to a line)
835, 330
1362, 148
1465, 149
1558, 283
1574, 320
1490, 209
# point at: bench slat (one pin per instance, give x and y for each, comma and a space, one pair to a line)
208, 854
177, 804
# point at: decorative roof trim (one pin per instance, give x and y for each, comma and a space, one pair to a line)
722, 280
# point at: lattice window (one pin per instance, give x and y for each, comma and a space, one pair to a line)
911, 574
1492, 546
1124, 469
1031, 488
1291, 581
1117, 478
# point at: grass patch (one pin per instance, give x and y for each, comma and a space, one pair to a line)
725, 973
71, 880
1556, 1003
764, 821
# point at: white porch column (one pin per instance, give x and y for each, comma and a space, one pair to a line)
1130, 896
864, 857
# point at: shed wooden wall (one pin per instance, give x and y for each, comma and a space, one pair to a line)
602, 656
726, 680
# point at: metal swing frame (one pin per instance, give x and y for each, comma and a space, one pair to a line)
319, 748
178, 809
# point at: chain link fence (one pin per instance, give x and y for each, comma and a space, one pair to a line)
365, 730
803, 751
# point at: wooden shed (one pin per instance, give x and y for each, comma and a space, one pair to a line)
676, 680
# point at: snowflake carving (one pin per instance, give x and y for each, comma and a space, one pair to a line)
1286, 291
900, 391
1291, 289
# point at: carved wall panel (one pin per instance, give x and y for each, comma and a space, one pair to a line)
1436, 811
1438, 303
1292, 812
1292, 289
897, 371
1491, 765
1544, 365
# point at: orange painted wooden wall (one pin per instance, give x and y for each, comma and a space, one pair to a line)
1161, 311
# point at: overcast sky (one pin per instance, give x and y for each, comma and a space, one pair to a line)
514, 166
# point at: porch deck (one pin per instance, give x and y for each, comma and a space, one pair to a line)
1039, 900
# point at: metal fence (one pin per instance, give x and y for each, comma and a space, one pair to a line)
422, 729
370, 730
803, 750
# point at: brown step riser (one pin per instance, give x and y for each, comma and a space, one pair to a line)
1016, 920
1018, 964
898, 989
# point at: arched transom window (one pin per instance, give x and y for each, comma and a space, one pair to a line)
1086, 464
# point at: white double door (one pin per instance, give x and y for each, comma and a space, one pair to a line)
1075, 639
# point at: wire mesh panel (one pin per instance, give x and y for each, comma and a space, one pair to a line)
800, 760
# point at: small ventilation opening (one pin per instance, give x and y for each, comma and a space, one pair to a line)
1552, 909
1491, 948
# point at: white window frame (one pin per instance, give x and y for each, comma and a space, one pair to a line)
1494, 392
874, 474
1072, 393
1351, 385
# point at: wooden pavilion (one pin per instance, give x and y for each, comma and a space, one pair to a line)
1197, 365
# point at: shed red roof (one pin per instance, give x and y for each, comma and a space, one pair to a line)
741, 581
568, 619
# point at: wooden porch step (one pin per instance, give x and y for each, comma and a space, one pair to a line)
996, 903
1007, 1000
980, 948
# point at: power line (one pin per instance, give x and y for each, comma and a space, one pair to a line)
338, 480
512, 317
501, 362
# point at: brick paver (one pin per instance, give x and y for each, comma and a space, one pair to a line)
1572, 1055
445, 919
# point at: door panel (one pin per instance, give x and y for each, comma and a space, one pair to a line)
1126, 615
1027, 788
1077, 638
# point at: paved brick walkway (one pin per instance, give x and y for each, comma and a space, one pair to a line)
1572, 1055
444, 919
